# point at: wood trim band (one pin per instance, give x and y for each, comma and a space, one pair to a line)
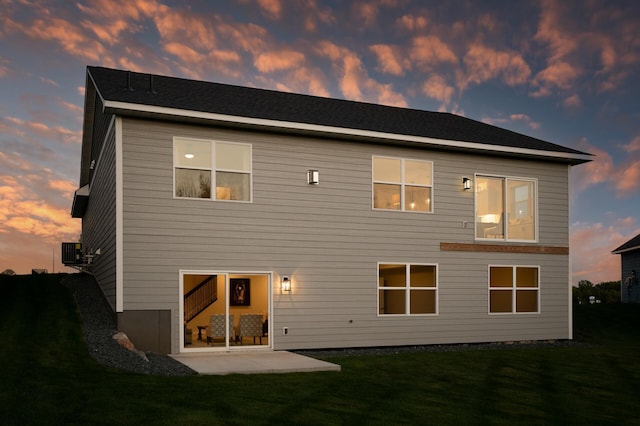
503, 248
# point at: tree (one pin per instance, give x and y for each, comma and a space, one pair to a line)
605, 292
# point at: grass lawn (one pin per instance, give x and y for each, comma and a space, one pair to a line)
47, 377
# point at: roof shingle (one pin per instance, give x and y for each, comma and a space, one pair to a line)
177, 93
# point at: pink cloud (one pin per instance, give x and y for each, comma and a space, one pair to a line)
560, 75
278, 60
389, 59
412, 23
354, 78
313, 14
591, 245
436, 87
365, 13
74, 108
23, 211
428, 51
271, 8
632, 146
518, 117
310, 81
628, 178
595, 172
553, 32
572, 101
525, 118
483, 63
70, 38
624, 178
596, 39
59, 133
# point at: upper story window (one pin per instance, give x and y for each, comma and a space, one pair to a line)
402, 184
200, 165
506, 208
407, 289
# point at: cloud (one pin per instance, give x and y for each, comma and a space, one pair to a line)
428, 51
365, 13
633, 146
278, 60
598, 171
313, 15
572, 101
59, 133
412, 23
483, 63
24, 211
389, 59
624, 178
436, 87
69, 37
354, 79
513, 118
271, 8
591, 245
525, 118
595, 39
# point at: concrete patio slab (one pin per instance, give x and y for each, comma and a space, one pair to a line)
221, 363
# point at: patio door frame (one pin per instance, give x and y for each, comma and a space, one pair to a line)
227, 348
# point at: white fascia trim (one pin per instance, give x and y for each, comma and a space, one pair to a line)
626, 250
119, 220
288, 125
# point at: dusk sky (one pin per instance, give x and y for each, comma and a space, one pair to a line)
567, 72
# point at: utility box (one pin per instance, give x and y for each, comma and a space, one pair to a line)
72, 253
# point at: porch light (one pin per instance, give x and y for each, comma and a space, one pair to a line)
313, 177
286, 283
466, 183
188, 155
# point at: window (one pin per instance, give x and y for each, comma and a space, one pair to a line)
402, 184
407, 289
514, 289
201, 165
515, 222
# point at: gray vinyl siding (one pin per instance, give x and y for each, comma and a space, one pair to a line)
630, 262
329, 240
99, 223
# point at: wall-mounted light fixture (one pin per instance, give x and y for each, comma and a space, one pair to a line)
313, 177
466, 183
286, 283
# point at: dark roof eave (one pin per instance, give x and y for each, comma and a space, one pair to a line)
631, 245
151, 111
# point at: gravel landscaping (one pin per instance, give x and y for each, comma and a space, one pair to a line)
99, 326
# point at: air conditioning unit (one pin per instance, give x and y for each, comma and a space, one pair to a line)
72, 253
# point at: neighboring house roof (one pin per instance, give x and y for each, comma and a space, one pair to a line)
632, 244
130, 93
8, 272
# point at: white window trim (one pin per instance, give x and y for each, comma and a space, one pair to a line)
402, 185
506, 178
407, 289
212, 169
513, 290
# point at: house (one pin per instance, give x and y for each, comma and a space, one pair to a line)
218, 217
630, 259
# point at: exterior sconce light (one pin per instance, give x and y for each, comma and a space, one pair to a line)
313, 177
286, 283
466, 183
